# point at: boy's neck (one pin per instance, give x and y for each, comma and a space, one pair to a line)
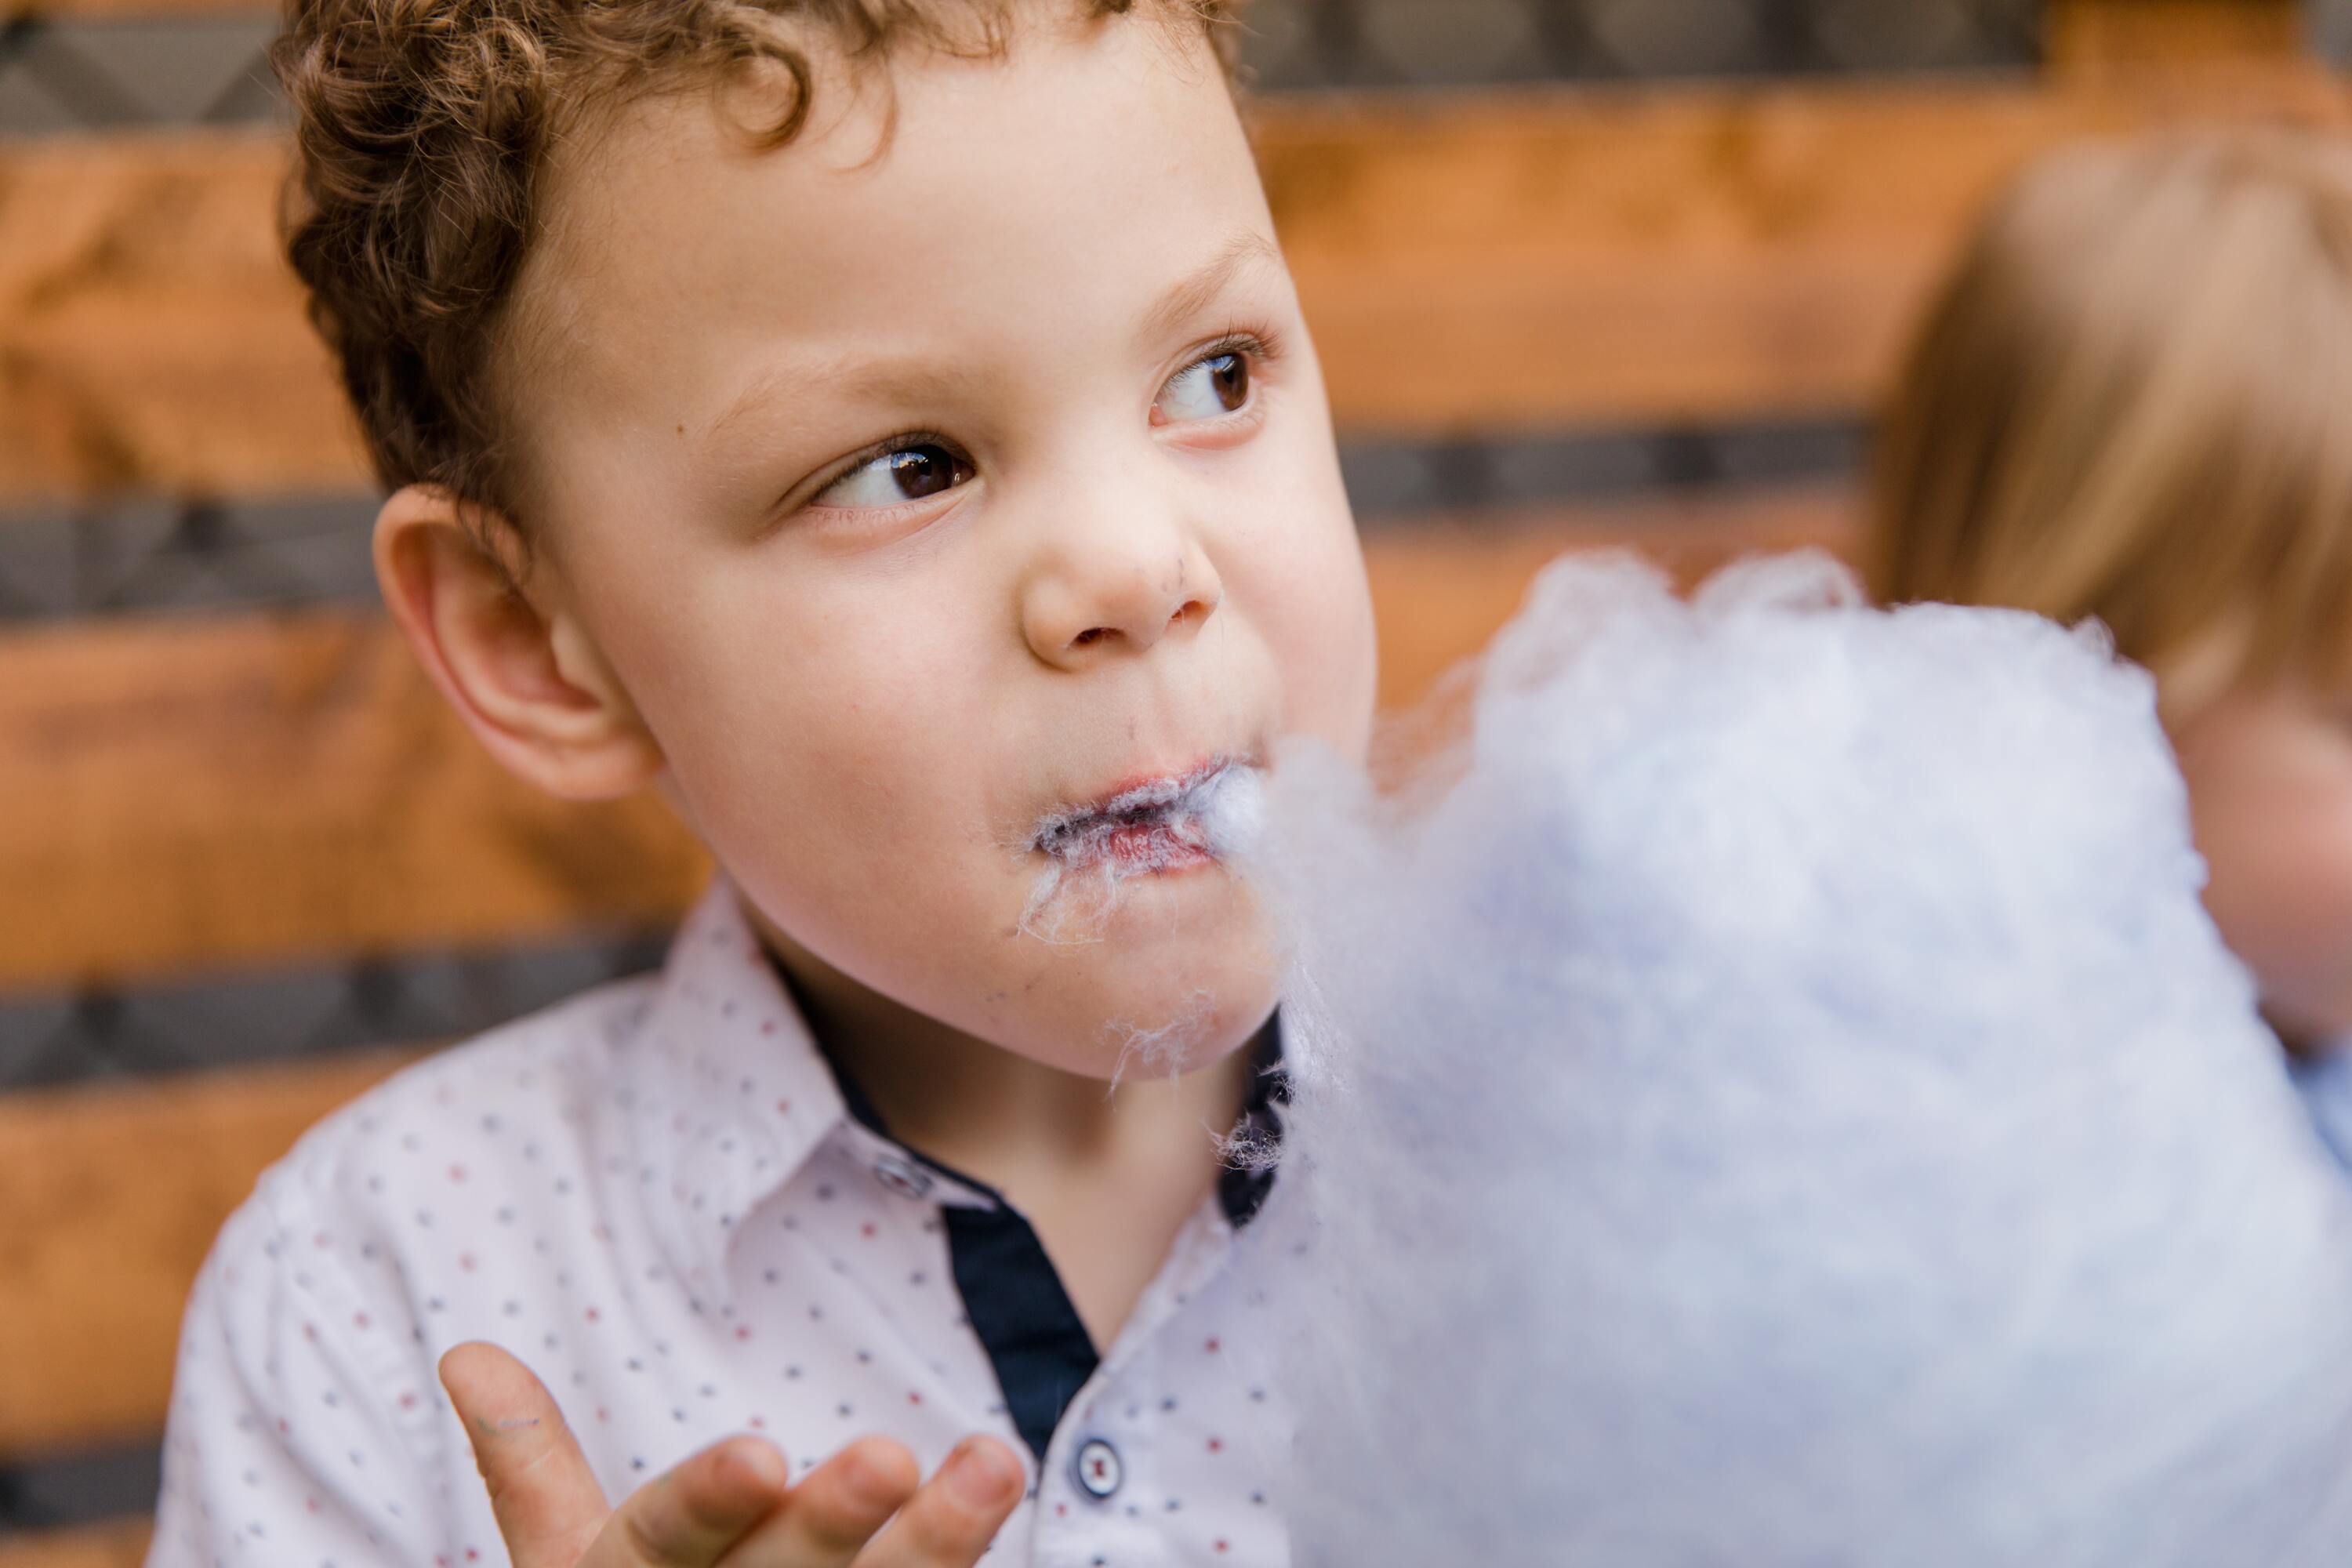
1001, 1117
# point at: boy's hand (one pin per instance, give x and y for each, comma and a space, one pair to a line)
727, 1505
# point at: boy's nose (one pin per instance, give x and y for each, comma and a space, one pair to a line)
1079, 612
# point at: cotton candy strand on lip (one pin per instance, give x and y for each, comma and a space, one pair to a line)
1780, 1103
1092, 853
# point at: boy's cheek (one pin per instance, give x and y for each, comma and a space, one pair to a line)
1308, 594
1330, 655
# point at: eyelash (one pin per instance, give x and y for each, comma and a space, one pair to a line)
1262, 345
905, 442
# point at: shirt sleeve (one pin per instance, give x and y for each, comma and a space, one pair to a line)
299, 1433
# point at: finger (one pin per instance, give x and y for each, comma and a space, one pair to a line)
692, 1516
547, 1502
958, 1511
832, 1514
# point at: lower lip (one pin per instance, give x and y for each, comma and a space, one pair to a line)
1147, 847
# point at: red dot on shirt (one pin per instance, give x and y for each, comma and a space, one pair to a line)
456, 1173
1214, 1346
1220, 1546
359, 1319
759, 1423
603, 1413
914, 1397
868, 1230
783, 1108
592, 1314
310, 1503
1216, 1445
408, 1401
767, 1025
742, 1330
466, 1261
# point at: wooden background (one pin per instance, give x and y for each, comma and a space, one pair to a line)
1652, 310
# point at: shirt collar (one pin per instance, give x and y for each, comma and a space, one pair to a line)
725, 1097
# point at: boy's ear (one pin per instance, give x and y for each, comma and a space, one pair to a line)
527, 678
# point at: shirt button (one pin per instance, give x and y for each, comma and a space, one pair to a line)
1098, 1470
902, 1177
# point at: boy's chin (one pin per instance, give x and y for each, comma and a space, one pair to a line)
1142, 1015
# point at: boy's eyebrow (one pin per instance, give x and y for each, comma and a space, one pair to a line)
899, 381
915, 381
1192, 296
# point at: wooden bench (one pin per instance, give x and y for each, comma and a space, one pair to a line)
238, 792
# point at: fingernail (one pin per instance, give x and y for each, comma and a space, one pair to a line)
754, 1467
980, 1475
871, 1485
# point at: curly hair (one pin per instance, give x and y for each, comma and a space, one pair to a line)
422, 132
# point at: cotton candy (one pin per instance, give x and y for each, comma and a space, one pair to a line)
1774, 1099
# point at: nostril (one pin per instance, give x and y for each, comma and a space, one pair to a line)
1089, 638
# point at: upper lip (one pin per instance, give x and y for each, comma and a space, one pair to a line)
1122, 793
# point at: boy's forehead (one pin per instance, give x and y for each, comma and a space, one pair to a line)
1083, 169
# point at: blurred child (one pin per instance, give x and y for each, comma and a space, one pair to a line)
2133, 402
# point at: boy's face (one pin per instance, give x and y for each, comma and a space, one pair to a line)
2270, 782
926, 494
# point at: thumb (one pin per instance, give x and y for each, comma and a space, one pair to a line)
548, 1503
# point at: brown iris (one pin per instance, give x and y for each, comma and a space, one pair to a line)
921, 472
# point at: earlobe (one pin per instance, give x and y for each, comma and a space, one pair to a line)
526, 676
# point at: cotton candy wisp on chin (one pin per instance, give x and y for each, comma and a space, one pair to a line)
1775, 1100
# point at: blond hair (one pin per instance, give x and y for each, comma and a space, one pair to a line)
2133, 401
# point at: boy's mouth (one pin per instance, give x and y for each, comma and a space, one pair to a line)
1159, 825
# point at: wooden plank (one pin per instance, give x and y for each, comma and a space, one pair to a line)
123, 1544
1494, 261
1612, 258
151, 335
113, 1195
226, 792
207, 793
2083, 37
129, 10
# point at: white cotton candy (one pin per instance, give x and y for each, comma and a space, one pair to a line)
1783, 1106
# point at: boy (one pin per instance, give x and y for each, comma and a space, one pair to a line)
889, 430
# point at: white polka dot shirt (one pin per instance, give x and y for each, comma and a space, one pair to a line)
654, 1195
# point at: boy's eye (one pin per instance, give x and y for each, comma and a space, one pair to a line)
911, 473
1217, 385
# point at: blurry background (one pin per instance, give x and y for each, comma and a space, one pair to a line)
1582, 271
